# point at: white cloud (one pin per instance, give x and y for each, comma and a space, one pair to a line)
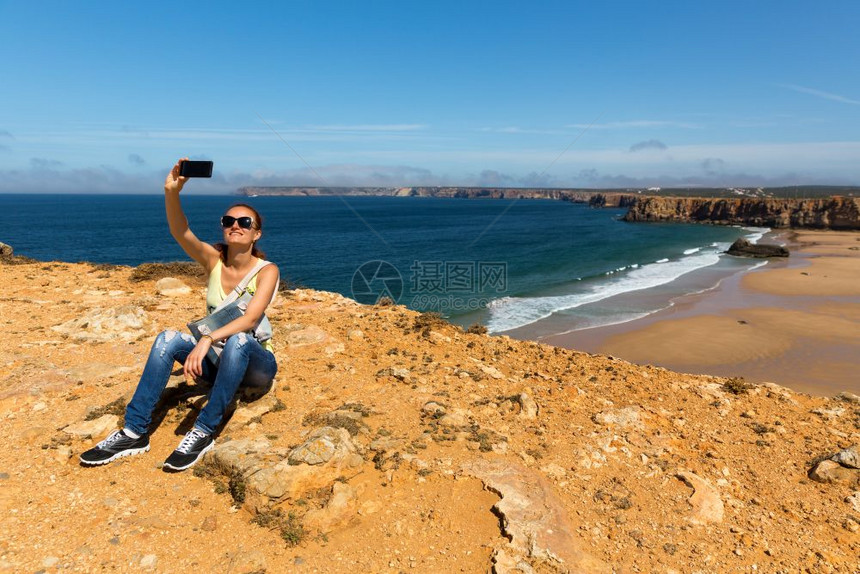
519, 130
369, 128
97, 136
637, 124
595, 179
769, 155
49, 176
820, 94
342, 175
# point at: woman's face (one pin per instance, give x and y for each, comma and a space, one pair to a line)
235, 233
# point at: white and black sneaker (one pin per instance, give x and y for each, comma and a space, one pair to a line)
116, 445
195, 444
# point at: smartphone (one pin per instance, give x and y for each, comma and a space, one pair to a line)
196, 169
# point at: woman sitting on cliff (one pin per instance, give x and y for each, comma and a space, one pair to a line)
243, 361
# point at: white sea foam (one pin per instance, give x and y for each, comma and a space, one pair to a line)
609, 323
662, 261
619, 270
511, 312
691, 251
755, 234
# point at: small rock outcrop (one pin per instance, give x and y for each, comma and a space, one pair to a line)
534, 521
322, 445
849, 457
7, 256
272, 475
744, 248
831, 472
96, 428
705, 500
171, 287
124, 322
841, 468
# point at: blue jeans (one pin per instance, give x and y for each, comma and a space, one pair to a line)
243, 362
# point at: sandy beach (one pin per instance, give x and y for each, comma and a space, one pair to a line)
794, 322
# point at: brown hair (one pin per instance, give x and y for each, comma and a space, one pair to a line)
258, 220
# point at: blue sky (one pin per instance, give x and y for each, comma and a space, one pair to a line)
103, 97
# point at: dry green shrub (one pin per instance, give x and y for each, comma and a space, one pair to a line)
356, 408
103, 266
279, 406
156, 271
16, 260
289, 527
477, 329
226, 478
286, 285
116, 407
737, 386
428, 321
352, 426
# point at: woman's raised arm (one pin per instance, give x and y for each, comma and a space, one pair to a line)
199, 251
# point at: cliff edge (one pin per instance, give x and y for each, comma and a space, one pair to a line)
394, 441
838, 213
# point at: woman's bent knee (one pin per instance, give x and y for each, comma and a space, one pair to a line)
237, 347
237, 341
169, 341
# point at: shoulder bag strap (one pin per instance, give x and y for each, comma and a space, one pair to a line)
243, 284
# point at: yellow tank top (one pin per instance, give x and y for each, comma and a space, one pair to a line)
215, 295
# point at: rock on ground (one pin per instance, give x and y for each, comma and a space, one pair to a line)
125, 323
322, 445
171, 287
97, 428
705, 500
831, 472
849, 458
339, 510
534, 521
273, 475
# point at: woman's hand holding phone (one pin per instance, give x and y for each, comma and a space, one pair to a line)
174, 182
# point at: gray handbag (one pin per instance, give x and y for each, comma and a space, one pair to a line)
231, 308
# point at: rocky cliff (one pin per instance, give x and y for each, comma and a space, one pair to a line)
841, 213
613, 200
394, 441
591, 197
578, 196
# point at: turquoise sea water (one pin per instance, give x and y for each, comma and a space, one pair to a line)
503, 263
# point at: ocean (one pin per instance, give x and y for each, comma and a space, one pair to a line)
505, 263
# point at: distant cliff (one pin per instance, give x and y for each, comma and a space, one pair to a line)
612, 200
820, 213
613, 197
451, 192
595, 199
817, 213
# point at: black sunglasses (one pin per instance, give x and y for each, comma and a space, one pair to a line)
245, 222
